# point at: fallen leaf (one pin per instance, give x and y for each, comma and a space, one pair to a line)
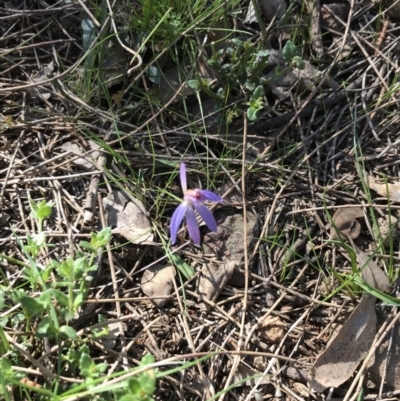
371, 272
110, 341
86, 160
249, 377
341, 358
227, 244
389, 368
127, 218
43, 75
117, 97
251, 15
213, 278
292, 78
386, 190
157, 282
345, 224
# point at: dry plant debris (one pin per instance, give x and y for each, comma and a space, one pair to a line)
127, 217
96, 115
157, 283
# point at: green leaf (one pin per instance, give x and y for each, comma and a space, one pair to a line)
46, 273
182, 266
85, 362
148, 359
32, 306
256, 103
2, 299
101, 367
41, 210
148, 382
193, 84
89, 31
60, 297
299, 62
387, 299
134, 385
289, 51
259, 92
88, 246
252, 114
78, 300
45, 298
129, 397
101, 238
66, 269
68, 332
80, 266
4, 343
262, 53
250, 86
5, 366
147, 10
45, 328
39, 239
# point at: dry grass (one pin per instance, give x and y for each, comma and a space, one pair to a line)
302, 161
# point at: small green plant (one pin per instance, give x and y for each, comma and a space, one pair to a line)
291, 56
241, 64
140, 387
48, 313
256, 103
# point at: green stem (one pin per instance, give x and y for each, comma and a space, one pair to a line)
14, 261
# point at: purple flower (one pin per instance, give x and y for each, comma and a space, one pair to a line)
193, 200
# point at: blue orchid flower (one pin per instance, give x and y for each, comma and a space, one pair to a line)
193, 201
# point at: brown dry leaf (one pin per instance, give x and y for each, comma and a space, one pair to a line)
251, 15
393, 190
213, 278
371, 272
87, 160
117, 97
227, 244
341, 358
243, 372
345, 224
389, 368
292, 78
128, 218
110, 341
157, 282
43, 75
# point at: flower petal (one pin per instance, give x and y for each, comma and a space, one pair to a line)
176, 220
210, 196
183, 177
207, 216
192, 225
